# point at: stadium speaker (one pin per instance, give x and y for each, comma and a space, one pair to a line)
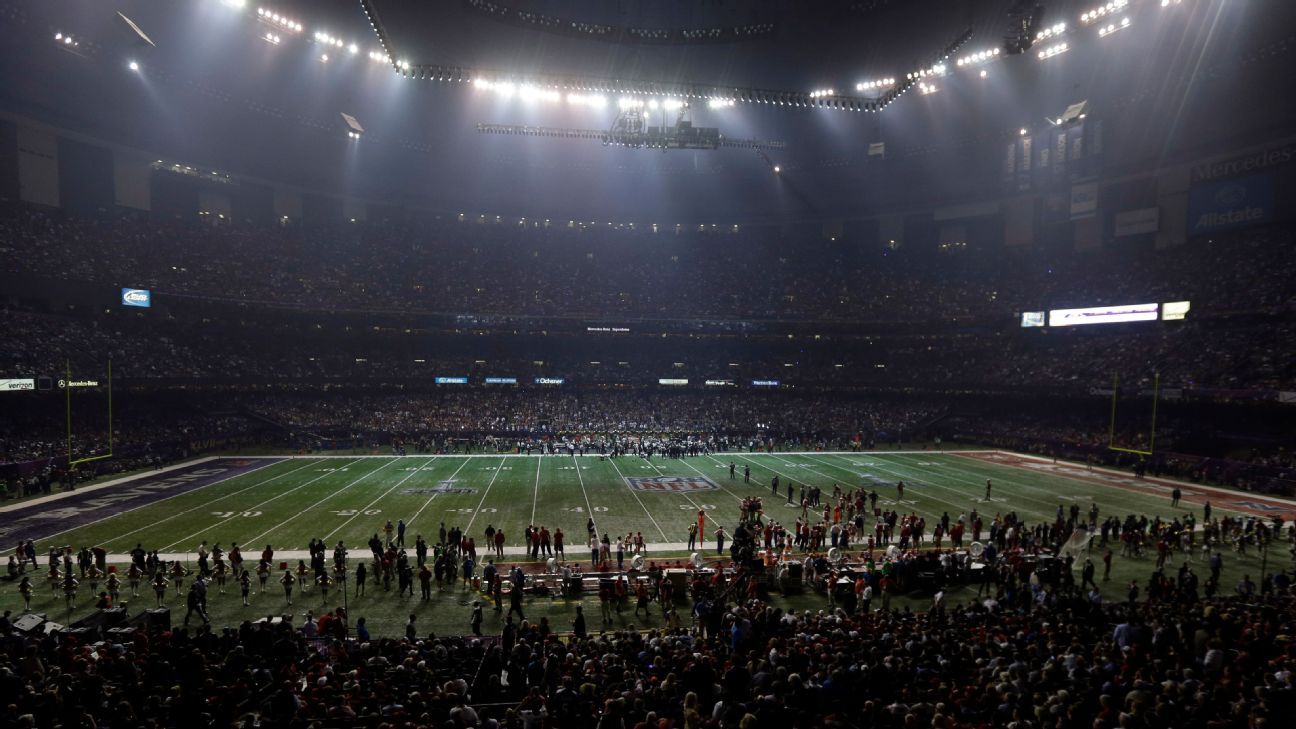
103, 619
157, 619
29, 623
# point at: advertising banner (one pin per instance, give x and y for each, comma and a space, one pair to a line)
1137, 222
1229, 204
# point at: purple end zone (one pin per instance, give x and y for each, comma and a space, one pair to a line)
39, 521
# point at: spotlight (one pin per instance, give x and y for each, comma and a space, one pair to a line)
353, 48
1022, 131
983, 73
777, 169
323, 58
133, 66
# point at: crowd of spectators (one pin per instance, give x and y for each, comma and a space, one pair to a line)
1024, 657
220, 344
470, 267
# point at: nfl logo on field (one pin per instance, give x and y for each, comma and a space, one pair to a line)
671, 483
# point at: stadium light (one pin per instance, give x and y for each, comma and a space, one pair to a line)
1110, 28
1093, 16
134, 66
1052, 31
1054, 50
777, 169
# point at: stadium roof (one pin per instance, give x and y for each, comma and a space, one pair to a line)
228, 88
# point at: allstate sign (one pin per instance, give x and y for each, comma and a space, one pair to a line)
1229, 204
136, 297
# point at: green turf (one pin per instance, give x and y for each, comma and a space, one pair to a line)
289, 503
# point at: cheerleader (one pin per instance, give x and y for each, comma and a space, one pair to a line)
245, 585
287, 581
93, 574
263, 574
70, 589
220, 571
133, 577
25, 589
55, 578
324, 582
178, 573
160, 585
302, 575
114, 586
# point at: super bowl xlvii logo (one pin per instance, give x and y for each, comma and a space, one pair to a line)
671, 483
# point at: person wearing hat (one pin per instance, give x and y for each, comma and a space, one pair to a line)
476, 618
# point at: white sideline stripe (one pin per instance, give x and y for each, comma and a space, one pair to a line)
91, 489
595, 455
428, 503
165, 498
252, 541
365, 555
380, 497
263, 503
660, 531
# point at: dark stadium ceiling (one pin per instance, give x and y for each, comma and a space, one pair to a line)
812, 43
215, 93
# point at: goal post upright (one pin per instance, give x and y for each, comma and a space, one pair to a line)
1111, 433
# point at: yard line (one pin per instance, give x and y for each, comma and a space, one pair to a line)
958, 506
263, 503
485, 493
425, 505
717, 483
257, 538
995, 468
660, 531
181, 513
536, 494
588, 509
695, 504
824, 475
395, 486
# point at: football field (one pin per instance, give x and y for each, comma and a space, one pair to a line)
287, 501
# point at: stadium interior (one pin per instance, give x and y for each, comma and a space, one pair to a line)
975, 308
